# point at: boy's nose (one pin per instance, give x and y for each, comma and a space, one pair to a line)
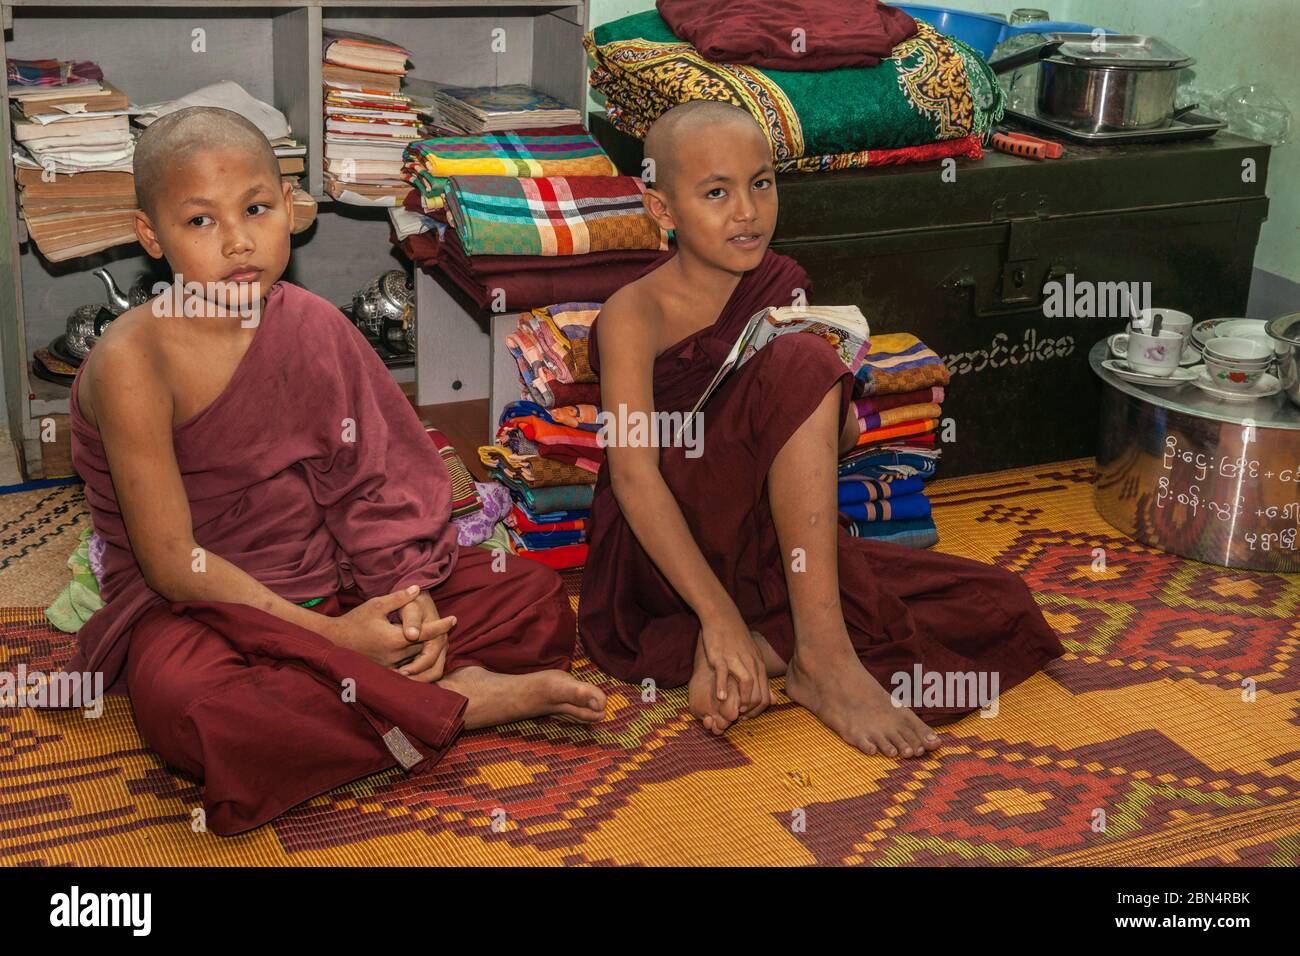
238, 242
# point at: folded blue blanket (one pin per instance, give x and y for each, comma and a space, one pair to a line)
889, 509
855, 488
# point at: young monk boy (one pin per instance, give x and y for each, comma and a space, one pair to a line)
725, 568
285, 595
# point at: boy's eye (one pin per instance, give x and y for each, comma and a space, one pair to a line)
717, 192
254, 209
195, 221
762, 183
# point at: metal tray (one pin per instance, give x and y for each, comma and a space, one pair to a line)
1187, 126
1121, 51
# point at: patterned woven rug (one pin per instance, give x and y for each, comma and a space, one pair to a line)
1136, 748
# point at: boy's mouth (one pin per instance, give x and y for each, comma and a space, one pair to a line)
747, 240
247, 274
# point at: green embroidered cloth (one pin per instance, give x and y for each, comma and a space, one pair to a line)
932, 88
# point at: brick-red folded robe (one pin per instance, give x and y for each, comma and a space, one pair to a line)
903, 606
312, 473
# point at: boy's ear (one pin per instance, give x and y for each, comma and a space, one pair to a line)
656, 206
288, 201
147, 235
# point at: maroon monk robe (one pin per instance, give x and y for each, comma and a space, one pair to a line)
312, 473
903, 606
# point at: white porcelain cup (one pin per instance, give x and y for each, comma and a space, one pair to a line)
1149, 354
1170, 319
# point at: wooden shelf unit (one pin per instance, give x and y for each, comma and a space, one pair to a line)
156, 50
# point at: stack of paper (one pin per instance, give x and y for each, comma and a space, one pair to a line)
488, 109
368, 121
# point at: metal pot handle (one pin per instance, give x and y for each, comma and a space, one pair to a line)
1026, 57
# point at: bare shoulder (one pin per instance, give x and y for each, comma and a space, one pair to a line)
629, 318
124, 362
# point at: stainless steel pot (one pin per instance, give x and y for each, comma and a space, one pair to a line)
1104, 82
1285, 330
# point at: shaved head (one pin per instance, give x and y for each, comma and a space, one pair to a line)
172, 139
690, 119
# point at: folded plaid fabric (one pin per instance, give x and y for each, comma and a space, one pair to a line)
899, 362
554, 498
551, 216
511, 154
464, 496
534, 470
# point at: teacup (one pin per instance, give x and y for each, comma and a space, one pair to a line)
1149, 354
1170, 319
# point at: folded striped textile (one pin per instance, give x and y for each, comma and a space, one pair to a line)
890, 462
550, 498
579, 417
527, 434
511, 153
899, 362
551, 216
534, 470
562, 558
51, 72
934, 93
909, 532
521, 519
539, 540
857, 488
915, 505
878, 436
464, 496
574, 318
896, 416
879, 403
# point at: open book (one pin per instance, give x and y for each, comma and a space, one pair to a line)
843, 326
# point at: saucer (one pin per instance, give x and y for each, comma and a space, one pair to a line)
1266, 386
1181, 376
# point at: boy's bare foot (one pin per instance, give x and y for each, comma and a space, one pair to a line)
852, 703
502, 698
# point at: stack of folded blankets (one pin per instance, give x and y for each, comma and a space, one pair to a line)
900, 391
368, 121
72, 157
525, 217
831, 101
547, 451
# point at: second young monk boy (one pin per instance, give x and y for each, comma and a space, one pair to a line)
692, 574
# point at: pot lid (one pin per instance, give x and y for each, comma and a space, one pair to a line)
1124, 51
1285, 328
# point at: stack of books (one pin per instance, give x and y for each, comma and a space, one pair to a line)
368, 120
72, 157
490, 109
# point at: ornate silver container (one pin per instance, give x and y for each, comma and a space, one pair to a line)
1189, 474
385, 297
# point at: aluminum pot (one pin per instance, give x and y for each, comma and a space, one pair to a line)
1285, 331
1096, 83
